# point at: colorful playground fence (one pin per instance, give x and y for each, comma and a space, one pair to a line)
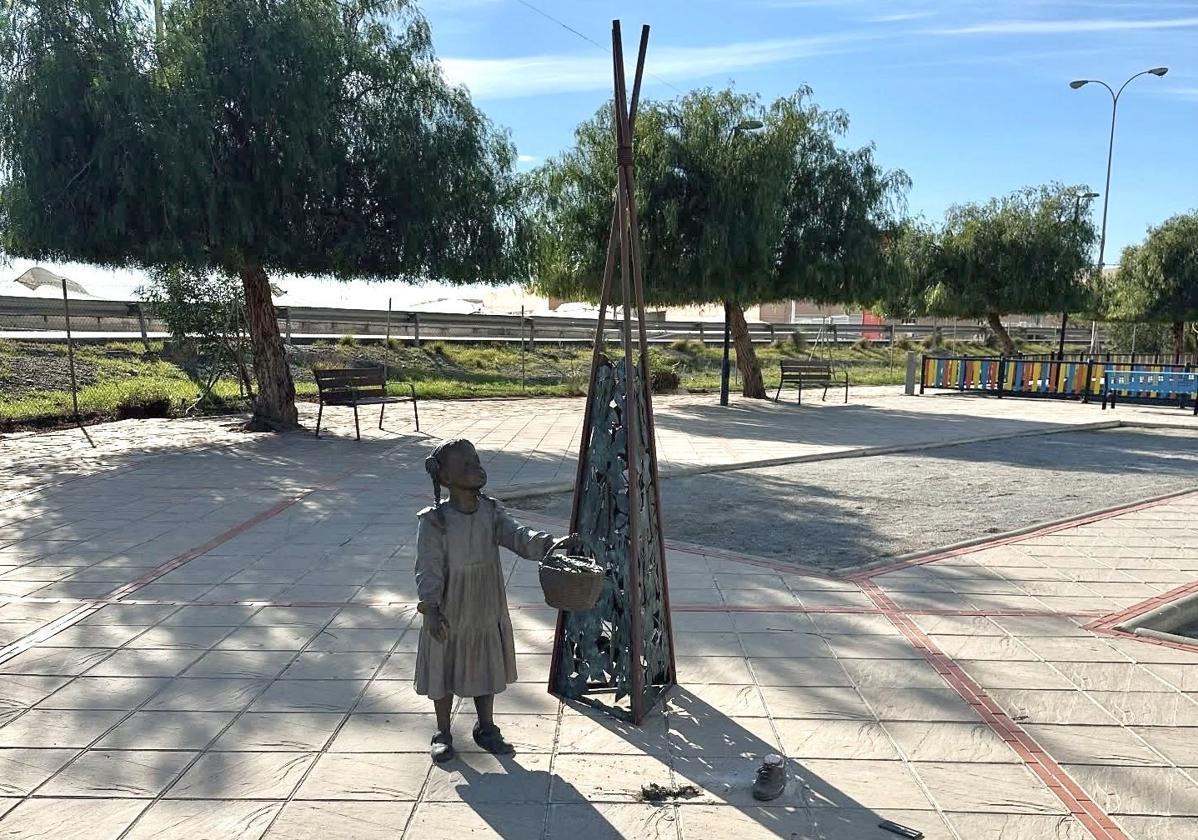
1028, 377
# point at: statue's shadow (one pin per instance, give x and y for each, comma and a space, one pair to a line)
511, 796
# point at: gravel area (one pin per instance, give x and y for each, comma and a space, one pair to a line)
843, 513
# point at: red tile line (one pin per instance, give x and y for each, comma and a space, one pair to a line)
1084, 809
1105, 625
690, 608
76, 615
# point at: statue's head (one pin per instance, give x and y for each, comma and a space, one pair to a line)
455, 464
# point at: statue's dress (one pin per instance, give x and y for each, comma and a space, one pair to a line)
458, 569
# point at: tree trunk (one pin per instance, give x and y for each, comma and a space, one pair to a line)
1004, 337
752, 385
1179, 341
274, 404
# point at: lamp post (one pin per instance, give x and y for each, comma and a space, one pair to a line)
1106, 196
1077, 211
725, 369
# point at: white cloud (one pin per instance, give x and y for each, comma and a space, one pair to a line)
1190, 93
507, 78
898, 17
527, 158
1054, 27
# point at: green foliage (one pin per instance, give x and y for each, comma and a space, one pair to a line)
1026, 252
347, 340
205, 314
1147, 338
309, 136
664, 380
725, 214
312, 137
144, 401
1158, 279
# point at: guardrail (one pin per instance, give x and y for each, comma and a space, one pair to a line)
1032, 376
97, 320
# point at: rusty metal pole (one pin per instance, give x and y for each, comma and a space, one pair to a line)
631, 406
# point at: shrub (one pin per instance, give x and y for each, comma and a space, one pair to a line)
393, 344
904, 343
683, 345
144, 402
664, 380
935, 341
347, 340
797, 340
863, 343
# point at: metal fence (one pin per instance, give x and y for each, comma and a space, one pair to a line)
42, 319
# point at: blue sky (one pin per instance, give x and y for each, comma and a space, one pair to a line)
971, 98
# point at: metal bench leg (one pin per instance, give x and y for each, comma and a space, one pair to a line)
846, 390
357, 431
778, 395
319, 413
415, 409
382, 408
824, 398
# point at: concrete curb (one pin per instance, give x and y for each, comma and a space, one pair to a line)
912, 557
513, 493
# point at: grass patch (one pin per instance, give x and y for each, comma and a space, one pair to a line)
124, 378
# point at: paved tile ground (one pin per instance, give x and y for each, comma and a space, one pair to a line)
216, 640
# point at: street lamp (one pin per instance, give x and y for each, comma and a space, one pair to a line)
726, 369
1077, 211
1106, 196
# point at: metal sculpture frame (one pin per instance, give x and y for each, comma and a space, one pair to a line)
624, 647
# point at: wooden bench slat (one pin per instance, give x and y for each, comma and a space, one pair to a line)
800, 373
357, 386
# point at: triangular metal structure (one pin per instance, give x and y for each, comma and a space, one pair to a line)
619, 656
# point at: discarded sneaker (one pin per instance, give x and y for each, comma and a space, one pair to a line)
442, 747
491, 740
771, 778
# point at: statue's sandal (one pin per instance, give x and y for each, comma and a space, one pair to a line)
491, 740
442, 748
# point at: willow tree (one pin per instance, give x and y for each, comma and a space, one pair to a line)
255, 137
739, 203
1158, 279
1027, 252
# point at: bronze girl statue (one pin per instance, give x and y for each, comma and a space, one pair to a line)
466, 645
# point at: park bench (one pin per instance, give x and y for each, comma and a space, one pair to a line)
800, 374
1152, 386
358, 386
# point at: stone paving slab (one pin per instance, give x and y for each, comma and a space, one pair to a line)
159, 707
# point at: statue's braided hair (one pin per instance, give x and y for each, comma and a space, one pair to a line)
433, 464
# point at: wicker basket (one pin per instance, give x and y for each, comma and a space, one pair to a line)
569, 581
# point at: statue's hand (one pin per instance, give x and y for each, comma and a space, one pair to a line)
437, 624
